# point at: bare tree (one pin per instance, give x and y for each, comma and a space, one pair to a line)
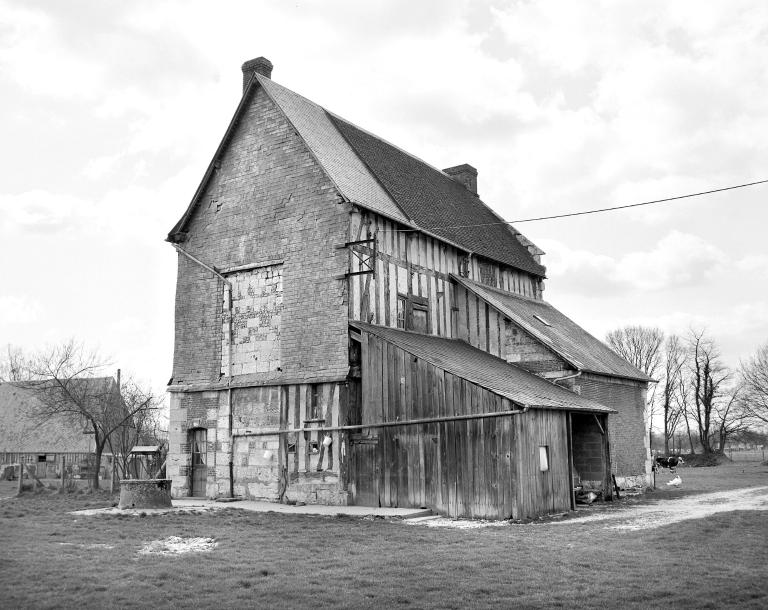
142, 428
683, 402
754, 372
67, 383
729, 416
12, 364
674, 360
640, 346
709, 384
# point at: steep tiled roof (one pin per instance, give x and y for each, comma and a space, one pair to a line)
490, 372
21, 432
331, 150
558, 332
378, 176
437, 203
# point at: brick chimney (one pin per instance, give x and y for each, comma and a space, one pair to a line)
260, 65
464, 174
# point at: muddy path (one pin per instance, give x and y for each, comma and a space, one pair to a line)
665, 512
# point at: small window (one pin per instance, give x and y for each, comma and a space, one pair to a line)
402, 304
420, 319
487, 273
464, 266
40, 458
542, 320
544, 458
413, 313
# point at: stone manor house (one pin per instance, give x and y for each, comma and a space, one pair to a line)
346, 333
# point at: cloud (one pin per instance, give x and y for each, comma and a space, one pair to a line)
18, 310
677, 260
754, 263
43, 212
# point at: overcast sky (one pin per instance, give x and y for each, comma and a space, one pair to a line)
111, 111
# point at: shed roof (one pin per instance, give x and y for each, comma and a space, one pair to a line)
557, 331
146, 449
485, 370
374, 174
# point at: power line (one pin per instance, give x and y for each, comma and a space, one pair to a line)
584, 212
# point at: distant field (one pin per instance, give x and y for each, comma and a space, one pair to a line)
52, 559
747, 456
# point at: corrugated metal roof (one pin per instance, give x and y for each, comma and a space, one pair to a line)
558, 332
481, 368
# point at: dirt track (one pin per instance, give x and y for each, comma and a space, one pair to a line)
664, 512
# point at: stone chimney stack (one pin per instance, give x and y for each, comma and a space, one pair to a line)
465, 175
260, 65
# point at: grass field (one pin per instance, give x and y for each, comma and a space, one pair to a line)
50, 558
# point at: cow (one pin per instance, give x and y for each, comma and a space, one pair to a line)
671, 462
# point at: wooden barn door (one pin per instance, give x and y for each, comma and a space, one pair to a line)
198, 442
544, 472
364, 470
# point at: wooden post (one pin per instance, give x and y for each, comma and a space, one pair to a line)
21, 475
114, 460
63, 468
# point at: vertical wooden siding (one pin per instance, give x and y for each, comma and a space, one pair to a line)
550, 491
477, 468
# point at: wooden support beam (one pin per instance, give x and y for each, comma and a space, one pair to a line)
388, 424
599, 425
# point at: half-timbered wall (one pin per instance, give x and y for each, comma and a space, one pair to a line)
292, 466
484, 468
411, 263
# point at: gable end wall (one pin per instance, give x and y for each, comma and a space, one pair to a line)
268, 200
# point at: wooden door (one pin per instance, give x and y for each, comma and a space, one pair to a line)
364, 470
197, 439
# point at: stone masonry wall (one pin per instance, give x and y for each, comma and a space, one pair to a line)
528, 352
269, 208
629, 447
257, 305
267, 202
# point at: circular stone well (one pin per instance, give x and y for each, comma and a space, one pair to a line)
145, 493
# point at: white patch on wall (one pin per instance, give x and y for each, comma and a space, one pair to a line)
257, 305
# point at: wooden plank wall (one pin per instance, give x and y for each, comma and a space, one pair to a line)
412, 263
479, 324
543, 492
461, 468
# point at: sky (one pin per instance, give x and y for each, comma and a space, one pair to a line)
110, 112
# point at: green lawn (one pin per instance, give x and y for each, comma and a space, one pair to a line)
270, 561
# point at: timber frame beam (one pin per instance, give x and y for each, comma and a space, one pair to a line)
387, 424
